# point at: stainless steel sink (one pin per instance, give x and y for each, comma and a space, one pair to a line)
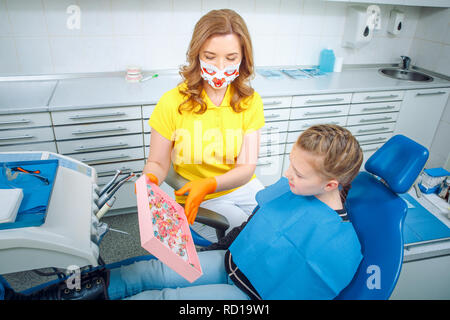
403, 74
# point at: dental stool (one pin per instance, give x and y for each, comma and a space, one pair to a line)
378, 214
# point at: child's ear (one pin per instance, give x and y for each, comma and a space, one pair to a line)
331, 185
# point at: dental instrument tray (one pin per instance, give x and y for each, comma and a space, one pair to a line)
36, 179
164, 230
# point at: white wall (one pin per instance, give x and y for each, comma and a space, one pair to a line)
430, 49
34, 38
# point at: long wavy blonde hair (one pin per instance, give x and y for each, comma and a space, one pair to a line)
216, 22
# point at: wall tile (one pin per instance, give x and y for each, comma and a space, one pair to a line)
34, 55
9, 63
128, 17
26, 17
158, 17
5, 25
56, 17
312, 18
432, 23
130, 50
308, 50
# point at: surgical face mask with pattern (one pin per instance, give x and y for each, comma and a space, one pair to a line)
219, 78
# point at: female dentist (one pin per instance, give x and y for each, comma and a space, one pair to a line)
209, 125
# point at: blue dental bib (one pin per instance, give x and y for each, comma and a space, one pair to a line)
296, 247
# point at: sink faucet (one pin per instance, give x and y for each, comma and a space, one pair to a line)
406, 61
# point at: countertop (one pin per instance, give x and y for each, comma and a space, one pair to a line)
108, 91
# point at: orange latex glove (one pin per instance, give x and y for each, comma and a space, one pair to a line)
150, 177
197, 189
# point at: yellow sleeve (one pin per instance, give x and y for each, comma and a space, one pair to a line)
254, 115
162, 118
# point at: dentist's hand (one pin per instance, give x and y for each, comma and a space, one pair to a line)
197, 189
151, 177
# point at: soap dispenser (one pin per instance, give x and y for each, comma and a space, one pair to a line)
396, 22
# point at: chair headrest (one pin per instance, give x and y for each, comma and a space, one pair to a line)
398, 162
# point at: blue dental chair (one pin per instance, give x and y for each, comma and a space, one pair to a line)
374, 208
378, 214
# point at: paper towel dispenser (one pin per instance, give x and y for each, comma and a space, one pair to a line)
360, 24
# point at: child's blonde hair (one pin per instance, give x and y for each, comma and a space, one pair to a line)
342, 156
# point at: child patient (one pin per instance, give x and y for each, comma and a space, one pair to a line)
297, 244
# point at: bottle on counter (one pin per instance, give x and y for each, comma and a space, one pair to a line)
326, 60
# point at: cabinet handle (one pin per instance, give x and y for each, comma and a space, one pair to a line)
371, 130
309, 125
101, 115
15, 122
272, 103
381, 97
371, 149
270, 129
27, 136
98, 130
122, 156
378, 108
111, 172
372, 140
324, 100
272, 116
376, 119
322, 112
430, 93
264, 163
117, 145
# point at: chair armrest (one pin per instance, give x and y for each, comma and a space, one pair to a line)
204, 216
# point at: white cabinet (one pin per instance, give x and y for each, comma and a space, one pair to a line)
420, 113
26, 132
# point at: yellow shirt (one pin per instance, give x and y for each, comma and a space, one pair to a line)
206, 145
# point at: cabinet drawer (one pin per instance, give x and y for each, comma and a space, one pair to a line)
96, 115
45, 146
25, 136
320, 112
276, 102
276, 114
300, 125
97, 129
25, 120
110, 156
270, 150
372, 128
268, 169
273, 138
273, 127
147, 139
322, 99
360, 97
374, 138
146, 126
99, 144
104, 170
372, 118
375, 107
147, 111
